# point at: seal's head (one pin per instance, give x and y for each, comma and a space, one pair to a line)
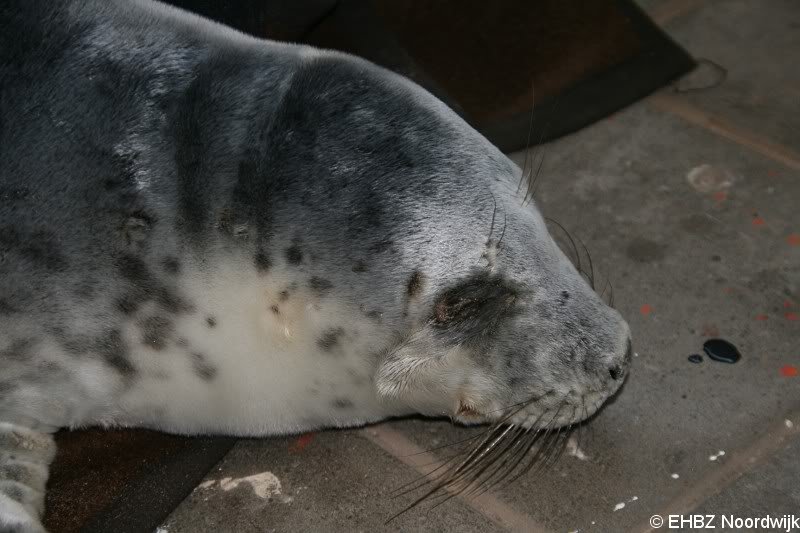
497, 322
487, 318
519, 337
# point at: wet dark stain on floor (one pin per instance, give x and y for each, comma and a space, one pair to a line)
721, 350
645, 251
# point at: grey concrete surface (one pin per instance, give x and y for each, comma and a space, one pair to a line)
689, 259
763, 492
338, 481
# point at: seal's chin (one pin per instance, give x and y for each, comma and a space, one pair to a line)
554, 411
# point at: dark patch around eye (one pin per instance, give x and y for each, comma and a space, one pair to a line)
474, 307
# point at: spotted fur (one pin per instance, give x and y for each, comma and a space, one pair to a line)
202, 232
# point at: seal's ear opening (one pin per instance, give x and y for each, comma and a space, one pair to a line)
415, 366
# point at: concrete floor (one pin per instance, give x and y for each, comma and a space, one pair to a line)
715, 255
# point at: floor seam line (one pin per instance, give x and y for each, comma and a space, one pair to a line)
488, 504
772, 441
722, 128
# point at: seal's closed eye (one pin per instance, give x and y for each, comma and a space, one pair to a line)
474, 307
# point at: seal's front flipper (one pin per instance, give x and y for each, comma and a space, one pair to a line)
25, 457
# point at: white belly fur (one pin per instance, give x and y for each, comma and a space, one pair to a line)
271, 376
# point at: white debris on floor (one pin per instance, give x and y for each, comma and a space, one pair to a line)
716, 456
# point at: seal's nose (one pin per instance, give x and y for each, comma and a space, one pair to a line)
617, 371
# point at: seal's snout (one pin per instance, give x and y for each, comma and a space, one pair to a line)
618, 368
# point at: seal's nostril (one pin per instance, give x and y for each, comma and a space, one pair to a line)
615, 372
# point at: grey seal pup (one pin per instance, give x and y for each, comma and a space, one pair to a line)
206, 233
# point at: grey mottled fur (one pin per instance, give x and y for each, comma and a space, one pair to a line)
134, 137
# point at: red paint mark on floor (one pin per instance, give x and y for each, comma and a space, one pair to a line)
791, 315
300, 444
772, 172
720, 196
758, 221
787, 303
646, 309
727, 290
793, 239
709, 330
789, 371
761, 317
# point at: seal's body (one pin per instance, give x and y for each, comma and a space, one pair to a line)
202, 232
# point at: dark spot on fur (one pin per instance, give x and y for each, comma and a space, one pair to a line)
14, 492
39, 247
112, 348
294, 255
20, 349
202, 367
330, 339
133, 269
6, 308
645, 251
274, 309
283, 296
171, 265
262, 262
342, 403
359, 266
171, 301
146, 287
320, 285
182, 342
415, 284
127, 304
156, 331
225, 221
72, 344
211, 321
562, 300
374, 315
